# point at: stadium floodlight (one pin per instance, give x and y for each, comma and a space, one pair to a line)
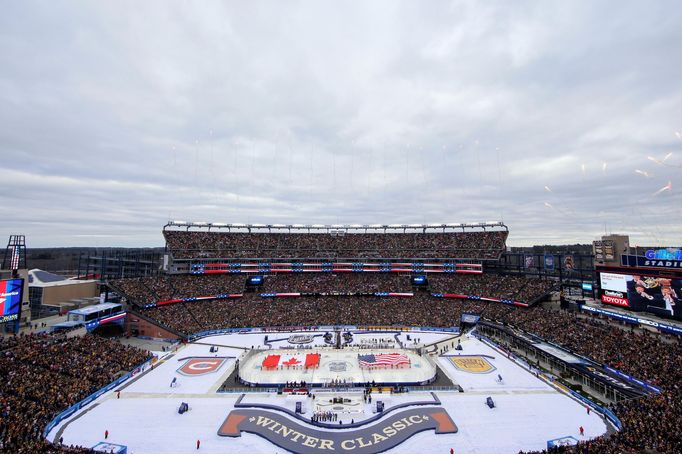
258, 226
436, 225
238, 225
337, 226
200, 223
376, 226
179, 222
318, 226
356, 226
393, 226
278, 226
415, 225
219, 224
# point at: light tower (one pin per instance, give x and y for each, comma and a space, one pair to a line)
15, 253
14, 286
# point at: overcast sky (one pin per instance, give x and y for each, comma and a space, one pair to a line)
118, 116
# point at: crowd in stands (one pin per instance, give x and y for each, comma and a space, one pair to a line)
422, 309
193, 244
511, 287
148, 290
251, 311
42, 375
651, 424
343, 282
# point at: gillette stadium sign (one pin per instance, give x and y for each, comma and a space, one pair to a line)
664, 254
655, 258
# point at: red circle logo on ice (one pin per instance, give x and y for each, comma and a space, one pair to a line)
201, 366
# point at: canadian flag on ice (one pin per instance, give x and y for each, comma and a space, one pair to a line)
291, 361
273, 361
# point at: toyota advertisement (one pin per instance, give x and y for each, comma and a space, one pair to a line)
657, 295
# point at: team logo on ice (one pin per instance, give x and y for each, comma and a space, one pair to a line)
338, 366
201, 366
292, 436
472, 364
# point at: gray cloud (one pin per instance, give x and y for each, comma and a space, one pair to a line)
115, 117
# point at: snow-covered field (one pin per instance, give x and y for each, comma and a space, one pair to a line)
528, 411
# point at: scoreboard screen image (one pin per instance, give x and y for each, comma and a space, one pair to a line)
658, 295
10, 299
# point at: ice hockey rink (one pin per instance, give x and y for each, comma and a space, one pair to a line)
144, 416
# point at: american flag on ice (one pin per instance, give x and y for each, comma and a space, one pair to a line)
383, 359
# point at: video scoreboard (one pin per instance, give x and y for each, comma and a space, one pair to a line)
10, 299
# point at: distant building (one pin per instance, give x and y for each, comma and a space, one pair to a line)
50, 293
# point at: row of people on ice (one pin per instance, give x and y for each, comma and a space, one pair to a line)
324, 416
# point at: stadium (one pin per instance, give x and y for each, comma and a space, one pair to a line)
346, 338
313, 227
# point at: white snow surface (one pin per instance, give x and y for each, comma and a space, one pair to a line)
528, 411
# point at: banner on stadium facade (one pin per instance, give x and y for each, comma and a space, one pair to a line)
196, 298
568, 263
478, 298
529, 261
549, 262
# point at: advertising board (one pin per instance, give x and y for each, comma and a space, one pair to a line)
658, 295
